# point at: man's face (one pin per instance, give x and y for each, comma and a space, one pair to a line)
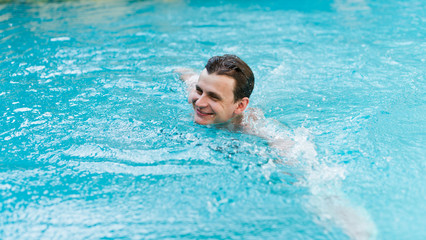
213, 99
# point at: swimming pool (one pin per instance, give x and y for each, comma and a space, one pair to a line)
97, 140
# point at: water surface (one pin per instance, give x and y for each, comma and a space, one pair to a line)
97, 140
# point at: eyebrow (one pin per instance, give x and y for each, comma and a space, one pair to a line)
210, 94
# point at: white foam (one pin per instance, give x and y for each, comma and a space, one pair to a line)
327, 202
60, 39
34, 69
24, 109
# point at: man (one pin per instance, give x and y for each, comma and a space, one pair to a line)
220, 95
221, 92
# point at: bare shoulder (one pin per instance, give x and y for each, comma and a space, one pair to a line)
252, 118
254, 114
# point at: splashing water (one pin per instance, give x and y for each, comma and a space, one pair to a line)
97, 141
326, 200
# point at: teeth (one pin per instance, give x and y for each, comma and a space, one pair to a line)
202, 112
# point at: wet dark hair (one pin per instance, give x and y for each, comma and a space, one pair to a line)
234, 67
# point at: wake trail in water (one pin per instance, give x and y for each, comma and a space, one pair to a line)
327, 200
330, 206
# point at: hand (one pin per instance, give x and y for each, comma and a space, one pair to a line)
185, 73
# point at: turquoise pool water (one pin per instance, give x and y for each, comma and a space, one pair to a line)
97, 140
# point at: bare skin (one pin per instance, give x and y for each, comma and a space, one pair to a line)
219, 86
213, 99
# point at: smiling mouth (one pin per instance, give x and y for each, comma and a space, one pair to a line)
201, 113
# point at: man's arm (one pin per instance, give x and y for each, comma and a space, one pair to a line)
189, 76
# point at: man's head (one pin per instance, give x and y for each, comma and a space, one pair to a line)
232, 66
223, 90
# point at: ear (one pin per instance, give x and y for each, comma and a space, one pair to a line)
242, 105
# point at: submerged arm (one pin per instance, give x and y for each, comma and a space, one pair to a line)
256, 124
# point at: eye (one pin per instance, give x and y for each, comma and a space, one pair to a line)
198, 90
214, 97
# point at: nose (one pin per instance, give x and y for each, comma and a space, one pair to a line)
201, 101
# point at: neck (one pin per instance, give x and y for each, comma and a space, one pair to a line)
233, 124
237, 120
